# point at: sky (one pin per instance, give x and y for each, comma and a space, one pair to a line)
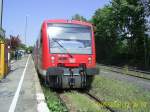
15, 13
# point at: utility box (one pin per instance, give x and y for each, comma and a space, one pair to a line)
3, 59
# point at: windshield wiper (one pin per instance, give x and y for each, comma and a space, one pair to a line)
63, 47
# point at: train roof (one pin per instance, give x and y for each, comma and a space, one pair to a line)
67, 21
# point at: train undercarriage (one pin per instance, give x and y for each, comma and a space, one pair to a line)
61, 77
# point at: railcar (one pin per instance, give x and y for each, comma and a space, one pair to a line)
65, 55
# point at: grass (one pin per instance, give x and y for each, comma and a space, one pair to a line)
84, 103
120, 95
53, 102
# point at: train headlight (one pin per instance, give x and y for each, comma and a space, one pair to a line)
53, 59
90, 60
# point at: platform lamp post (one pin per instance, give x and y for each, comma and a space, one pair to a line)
26, 26
1, 3
2, 32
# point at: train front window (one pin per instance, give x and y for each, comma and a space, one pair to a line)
69, 38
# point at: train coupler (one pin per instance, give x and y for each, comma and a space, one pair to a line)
71, 82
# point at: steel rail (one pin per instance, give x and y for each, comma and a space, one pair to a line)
100, 102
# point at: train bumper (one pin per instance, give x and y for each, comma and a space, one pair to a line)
55, 71
65, 71
61, 77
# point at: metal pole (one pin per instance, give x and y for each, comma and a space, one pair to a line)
26, 25
2, 14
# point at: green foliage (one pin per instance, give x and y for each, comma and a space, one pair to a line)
30, 49
82, 103
120, 33
53, 102
106, 33
78, 17
121, 96
55, 106
23, 46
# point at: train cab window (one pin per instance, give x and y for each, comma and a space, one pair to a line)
72, 38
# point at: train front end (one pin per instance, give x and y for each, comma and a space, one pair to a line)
69, 54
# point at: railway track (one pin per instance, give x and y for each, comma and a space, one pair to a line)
88, 95
100, 102
138, 73
62, 101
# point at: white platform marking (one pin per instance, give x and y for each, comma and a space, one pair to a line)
15, 99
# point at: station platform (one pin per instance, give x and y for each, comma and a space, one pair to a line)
20, 91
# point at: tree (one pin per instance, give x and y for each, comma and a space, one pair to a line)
131, 16
23, 46
14, 42
120, 32
106, 33
78, 17
30, 49
146, 5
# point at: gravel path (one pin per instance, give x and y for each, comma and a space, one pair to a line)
143, 83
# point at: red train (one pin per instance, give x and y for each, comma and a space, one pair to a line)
64, 53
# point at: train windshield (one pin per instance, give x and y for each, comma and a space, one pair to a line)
69, 38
